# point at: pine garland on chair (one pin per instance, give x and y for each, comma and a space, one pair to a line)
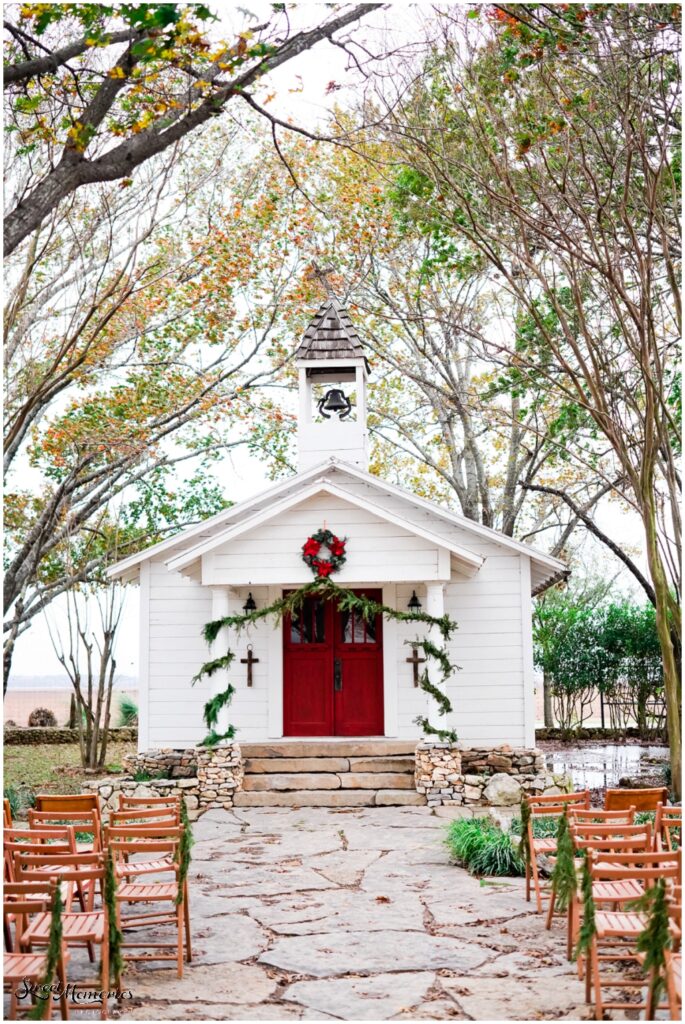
588, 927
524, 845
53, 954
346, 600
656, 937
115, 938
184, 851
564, 879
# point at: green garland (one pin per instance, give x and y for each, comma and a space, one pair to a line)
524, 845
564, 880
53, 954
588, 927
656, 938
345, 600
184, 850
115, 938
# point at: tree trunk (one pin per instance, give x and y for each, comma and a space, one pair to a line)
672, 691
547, 698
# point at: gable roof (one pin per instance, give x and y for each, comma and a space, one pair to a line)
545, 570
470, 561
331, 335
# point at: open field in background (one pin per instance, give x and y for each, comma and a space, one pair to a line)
19, 704
54, 768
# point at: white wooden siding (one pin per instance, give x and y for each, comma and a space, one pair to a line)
488, 693
377, 551
178, 608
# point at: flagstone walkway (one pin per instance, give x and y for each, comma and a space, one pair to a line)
353, 914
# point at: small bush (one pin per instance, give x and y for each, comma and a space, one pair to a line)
483, 848
42, 718
20, 797
543, 828
128, 710
142, 776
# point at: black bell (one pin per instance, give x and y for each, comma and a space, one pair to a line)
335, 401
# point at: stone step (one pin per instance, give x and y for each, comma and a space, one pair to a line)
307, 798
329, 748
302, 780
258, 765
263, 783
264, 765
330, 798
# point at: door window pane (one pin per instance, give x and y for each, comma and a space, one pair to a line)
295, 630
320, 622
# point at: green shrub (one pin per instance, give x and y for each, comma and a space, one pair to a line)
20, 797
483, 848
128, 710
142, 776
543, 828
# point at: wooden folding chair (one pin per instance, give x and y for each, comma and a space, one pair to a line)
598, 816
22, 901
124, 846
83, 822
668, 820
640, 799
606, 840
547, 807
146, 816
129, 802
88, 927
672, 970
61, 843
617, 931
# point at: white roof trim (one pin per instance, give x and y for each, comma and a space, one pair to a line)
126, 564
452, 517
322, 485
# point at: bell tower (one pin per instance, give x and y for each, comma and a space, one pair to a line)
332, 385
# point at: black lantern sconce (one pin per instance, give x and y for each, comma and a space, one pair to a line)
250, 605
335, 401
414, 603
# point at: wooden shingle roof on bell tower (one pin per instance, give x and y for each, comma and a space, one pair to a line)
331, 335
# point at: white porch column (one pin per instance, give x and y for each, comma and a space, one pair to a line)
435, 606
219, 681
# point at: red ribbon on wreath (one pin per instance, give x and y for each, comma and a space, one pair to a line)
323, 567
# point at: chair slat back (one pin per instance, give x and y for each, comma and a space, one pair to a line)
612, 831
557, 803
639, 843
68, 802
640, 799
73, 867
21, 900
581, 816
648, 866
148, 801
142, 833
81, 821
667, 821
149, 814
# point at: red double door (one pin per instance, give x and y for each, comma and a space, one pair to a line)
332, 671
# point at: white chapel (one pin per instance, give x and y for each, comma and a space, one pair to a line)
321, 673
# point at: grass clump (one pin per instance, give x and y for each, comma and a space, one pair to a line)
483, 848
543, 828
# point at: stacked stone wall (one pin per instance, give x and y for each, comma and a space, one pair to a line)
449, 774
205, 777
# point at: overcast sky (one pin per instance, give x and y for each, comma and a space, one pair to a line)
301, 93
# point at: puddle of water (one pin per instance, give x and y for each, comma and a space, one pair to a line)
602, 766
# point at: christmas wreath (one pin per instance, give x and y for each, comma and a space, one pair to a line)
323, 567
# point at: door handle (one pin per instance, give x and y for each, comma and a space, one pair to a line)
337, 674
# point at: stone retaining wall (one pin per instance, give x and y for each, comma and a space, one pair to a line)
450, 774
176, 764
22, 735
217, 774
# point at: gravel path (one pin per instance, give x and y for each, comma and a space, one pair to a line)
323, 914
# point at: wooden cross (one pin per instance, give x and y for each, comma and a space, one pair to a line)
415, 661
250, 660
321, 274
